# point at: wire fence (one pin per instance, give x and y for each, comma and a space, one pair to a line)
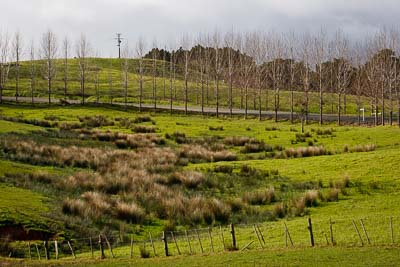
304, 232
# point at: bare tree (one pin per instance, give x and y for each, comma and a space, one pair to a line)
4, 62
231, 63
217, 68
83, 50
49, 49
319, 56
358, 61
291, 41
171, 79
246, 64
17, 46
372, 72
66, 50
140, 52
343, 69
306, 43
154, 55
32, 70
126, 55
187, 53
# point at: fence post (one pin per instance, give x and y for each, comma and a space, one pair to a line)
164, 238
46, 250
91, 246
56, 248
391, 229
37, 251
211, 240
72, 251
331, 231
288, 235
187, 239
222, 236
109, 246
311, 231
176, 243
365, 231
198, 238
261, 234
258, 237
131, 251
233, 236
152, 244
358, 232
102, 256
29, 250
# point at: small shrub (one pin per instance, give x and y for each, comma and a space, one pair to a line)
141, 119
216, 128
223, 168
144, 253
144, 129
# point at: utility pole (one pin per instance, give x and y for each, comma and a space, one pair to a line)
119, 41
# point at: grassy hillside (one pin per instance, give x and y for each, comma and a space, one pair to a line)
77, 171
105, 68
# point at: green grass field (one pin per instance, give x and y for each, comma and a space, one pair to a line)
366, 157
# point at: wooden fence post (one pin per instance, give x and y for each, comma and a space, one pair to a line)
56, 248
131, 251
152, 244
176, 243
164, 238
311, 231
261, 234
233, 236
109, 246
72, 251
91, 246
365, 231
211, 240
358, 232
391, 229
102, 256
46, 250
258, 236
288, 235
331, 232
198, 238
37, 251
29, 250
222, 237
187, 239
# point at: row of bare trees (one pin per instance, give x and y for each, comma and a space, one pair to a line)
236, 70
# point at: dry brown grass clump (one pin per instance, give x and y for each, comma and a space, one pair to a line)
359, 148
96, 121
190, 179
197, 153
144, 129
260, 197
301, 152
129, 212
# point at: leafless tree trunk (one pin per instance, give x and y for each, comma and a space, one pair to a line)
306, 43
66, 48
83, 51
17, 47
140, 50
217, 68
186, 45
171, 79
154, 55
291, 41
126, 56
32, 70
49, 53
319, 58
4, 62
229, 44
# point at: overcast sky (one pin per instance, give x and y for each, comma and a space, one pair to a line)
168, 20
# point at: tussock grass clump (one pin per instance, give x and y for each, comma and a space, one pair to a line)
332, 195
323, 131
130, 212
198, 153
42, 123
254, 146
144, 129
216, 128
280, 210
301, 137
359, 148
95, 121
260, 197
141, 119
178, 137
236, 140
144, 253
311, 198
190, 179
74, 207
303, 152
223, 168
